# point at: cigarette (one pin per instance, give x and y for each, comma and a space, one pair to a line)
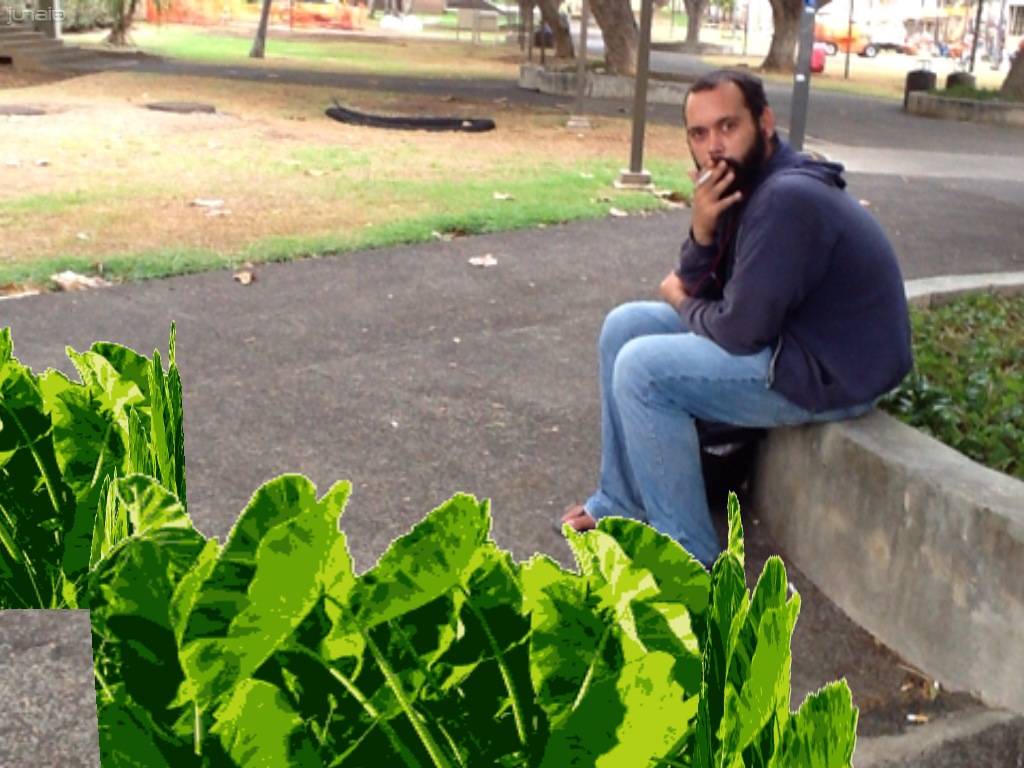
704, 177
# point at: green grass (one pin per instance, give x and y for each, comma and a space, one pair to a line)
539, 196
965, 92
347, 55
57, 202
967, 386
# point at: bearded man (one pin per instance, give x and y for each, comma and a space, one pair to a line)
787, 307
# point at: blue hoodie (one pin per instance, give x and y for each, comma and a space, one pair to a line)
801, 267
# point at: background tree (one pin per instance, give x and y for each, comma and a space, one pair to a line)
786, 22
620, 34
259, 44
1013, 85
559, 29
122, 12
694, 16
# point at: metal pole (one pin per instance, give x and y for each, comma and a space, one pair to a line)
802, 79
849, 42
746, 27
636, 176
977, 33
529, 35
578, 120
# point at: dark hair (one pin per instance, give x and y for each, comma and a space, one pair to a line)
750, 86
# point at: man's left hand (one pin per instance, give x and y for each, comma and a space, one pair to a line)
673, 291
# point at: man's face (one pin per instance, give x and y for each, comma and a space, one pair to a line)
719, 126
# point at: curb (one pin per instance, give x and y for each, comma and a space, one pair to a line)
533, 77
869, 505
997, 112
939, 743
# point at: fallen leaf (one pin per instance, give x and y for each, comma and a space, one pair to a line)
394, 424
444, 237
617, 212
484, 261
315, 172
207, 202
456, 340
82, 236
42, 163
865, 203
501, 100
449, 98
917, 719
502, 196
72, 281
246, 275
217, 212
585, 175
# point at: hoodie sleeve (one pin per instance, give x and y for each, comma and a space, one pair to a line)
782, 253
697, 265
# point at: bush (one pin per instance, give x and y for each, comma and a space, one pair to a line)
83, 15
967, 386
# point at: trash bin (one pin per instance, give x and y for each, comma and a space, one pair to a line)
964, 79
918, 80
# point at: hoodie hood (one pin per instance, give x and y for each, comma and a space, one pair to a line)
785, 158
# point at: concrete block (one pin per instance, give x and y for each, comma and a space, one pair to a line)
915, 542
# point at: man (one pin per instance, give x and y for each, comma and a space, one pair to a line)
787, 307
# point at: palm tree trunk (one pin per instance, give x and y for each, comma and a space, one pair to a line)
1013, 85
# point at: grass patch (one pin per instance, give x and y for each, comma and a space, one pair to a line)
54, 203
424, 58
966, 92
539, 196
967, 386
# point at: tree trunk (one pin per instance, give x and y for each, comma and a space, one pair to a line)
786, 20
123, 14
694, 16
563, 38
259, 45
1013, 85
619, 31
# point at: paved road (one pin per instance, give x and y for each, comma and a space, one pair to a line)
415, 375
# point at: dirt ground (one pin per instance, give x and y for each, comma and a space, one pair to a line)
101, 175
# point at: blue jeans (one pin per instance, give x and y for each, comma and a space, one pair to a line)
656, 378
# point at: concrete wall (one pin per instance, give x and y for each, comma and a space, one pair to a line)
998, 112
915, 542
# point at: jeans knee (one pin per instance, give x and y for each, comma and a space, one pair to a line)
631, 376
624, 323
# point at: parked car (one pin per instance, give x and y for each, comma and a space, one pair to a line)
837, 35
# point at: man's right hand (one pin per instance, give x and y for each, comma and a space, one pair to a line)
708, 201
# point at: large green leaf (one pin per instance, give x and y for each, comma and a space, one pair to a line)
823, 732
422, 565
680, 577
627, 720
130, 738
765, 692
36, 505
293, 562
572, 641
114, 394
258, 728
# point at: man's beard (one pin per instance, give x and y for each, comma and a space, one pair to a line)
746, 169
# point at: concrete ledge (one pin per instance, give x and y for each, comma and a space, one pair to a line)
533, 77
915, 542
999, 112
